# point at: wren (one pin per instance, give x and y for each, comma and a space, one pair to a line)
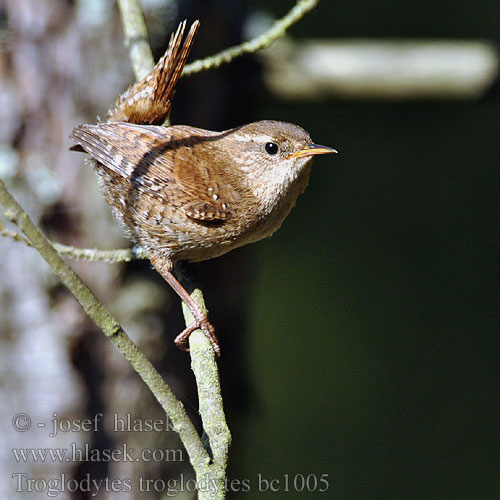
184, 193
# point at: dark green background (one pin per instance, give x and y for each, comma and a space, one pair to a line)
374, 351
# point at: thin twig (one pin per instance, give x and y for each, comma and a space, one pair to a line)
276, 31
88, 254
95, 255
13, 235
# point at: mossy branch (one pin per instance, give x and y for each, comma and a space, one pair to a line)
210, 399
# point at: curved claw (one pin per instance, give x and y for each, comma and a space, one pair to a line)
208, 330
182, 338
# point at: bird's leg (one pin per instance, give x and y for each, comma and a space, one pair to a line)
164, 267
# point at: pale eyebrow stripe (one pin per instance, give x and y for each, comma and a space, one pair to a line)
247, 137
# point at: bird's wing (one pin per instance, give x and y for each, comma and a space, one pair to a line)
153, 158
129, 150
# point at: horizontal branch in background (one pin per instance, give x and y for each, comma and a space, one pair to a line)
378, 69
89, 254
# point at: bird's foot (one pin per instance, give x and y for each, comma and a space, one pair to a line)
208, 330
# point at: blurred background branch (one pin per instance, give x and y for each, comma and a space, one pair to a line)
136, 37
380, 69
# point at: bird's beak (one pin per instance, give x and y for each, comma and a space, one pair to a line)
312, 149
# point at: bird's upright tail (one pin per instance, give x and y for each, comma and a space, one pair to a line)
148, 102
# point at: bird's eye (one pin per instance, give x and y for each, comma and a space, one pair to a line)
271, 148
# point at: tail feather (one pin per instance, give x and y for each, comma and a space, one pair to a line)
148, 102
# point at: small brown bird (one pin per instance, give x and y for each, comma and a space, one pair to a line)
184, 193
